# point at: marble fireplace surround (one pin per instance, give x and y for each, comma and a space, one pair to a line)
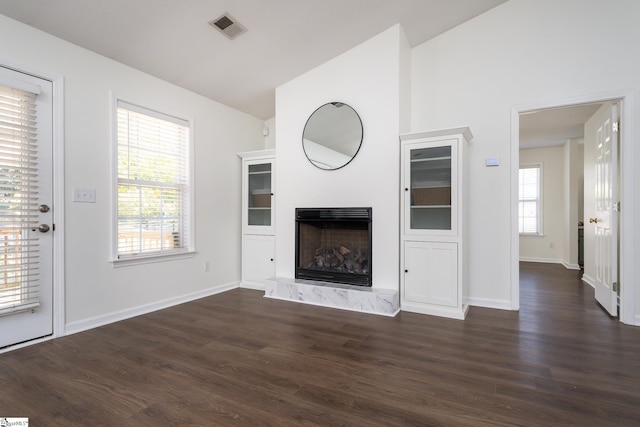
383, 302
346, 296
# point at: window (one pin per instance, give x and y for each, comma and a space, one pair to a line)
153, 207
530, 200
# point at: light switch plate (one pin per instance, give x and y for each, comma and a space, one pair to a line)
83, 195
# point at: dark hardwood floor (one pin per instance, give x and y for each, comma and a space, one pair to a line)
238, 359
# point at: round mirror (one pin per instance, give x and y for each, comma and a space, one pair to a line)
332, 136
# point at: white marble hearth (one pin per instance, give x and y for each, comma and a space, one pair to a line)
348, 297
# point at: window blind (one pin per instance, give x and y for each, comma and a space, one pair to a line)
529, 200
153, 180
19, 266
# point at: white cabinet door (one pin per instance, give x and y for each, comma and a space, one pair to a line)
430, 182
257, 258
258, 195
431, 273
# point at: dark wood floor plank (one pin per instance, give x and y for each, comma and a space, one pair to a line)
238, 359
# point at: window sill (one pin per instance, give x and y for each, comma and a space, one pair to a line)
532, 236
151, 259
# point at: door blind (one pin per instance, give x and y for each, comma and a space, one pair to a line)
19, 266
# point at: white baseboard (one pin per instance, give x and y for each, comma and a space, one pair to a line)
566, 265
544, 260
589, 280
105, 319
252, 285
571, 266
489, 303
433, 310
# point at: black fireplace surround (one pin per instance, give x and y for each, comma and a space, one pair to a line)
334, 245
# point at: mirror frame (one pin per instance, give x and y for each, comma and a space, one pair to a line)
361, 128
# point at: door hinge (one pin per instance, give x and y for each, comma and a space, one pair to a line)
53, 228
617, 207
615, 286
615, 126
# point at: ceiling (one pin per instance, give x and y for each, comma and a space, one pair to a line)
554, 126
172, 40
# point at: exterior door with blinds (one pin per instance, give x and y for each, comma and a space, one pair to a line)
26, 211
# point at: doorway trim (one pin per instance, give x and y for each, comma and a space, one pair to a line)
628, 218
58, 196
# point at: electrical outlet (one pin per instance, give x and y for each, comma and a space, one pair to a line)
207, 266
552, 245
83, 195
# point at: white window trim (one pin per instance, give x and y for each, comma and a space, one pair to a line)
158, 257
540, 216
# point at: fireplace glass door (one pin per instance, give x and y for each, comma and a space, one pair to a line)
334, 245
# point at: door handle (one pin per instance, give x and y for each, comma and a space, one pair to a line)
43, 228
593, 220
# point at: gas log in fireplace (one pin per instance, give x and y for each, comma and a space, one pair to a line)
334, 245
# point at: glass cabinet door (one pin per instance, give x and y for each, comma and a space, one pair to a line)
430, 181
259, 193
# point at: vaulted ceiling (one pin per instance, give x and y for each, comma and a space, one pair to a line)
172, 39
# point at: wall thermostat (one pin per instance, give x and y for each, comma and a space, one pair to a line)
493, 161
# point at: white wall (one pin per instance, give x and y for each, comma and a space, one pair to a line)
95, 290
550, 246
562, 169
522, 52
270, 140
368, 79
573, 199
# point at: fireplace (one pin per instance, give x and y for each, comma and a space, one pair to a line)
334, 245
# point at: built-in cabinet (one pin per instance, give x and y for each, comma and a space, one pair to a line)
433, 193
258, 209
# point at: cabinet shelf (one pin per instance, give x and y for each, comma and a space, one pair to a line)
431, 164
430, 206
431, 159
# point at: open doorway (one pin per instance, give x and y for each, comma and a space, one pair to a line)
551, 181
550, 137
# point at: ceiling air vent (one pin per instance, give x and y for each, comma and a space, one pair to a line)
228, 26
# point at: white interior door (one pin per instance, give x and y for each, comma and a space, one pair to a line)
26, 211
605, 220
